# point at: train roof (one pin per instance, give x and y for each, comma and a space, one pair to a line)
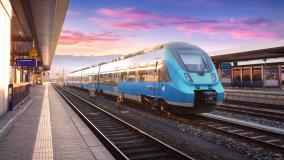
172, 44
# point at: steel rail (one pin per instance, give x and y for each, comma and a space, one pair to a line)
118, 153
272, 115
254, 134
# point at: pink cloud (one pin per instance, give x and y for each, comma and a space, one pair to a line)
69, 37
127, 19
126, 12
133, 19
242, 34
236, 32
99, 43
130, 26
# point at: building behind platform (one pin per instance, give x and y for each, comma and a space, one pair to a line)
258, 66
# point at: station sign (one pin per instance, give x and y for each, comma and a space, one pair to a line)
225, 66
26, 62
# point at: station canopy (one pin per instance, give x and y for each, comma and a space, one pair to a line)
39, 22
260, 51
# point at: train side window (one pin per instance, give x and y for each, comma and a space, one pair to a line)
102, 78
151, 76
131, 76
105, 78
83, 78
115, 79
142, 75
90, 79
123, 76
110, 79
163, 74
95, 79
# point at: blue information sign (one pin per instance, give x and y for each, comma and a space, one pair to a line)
26, 62
225, 66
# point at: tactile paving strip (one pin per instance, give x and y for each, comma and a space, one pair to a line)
43, 149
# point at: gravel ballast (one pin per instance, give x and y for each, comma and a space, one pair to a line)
192, 140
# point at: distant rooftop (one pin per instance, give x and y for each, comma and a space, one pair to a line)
259, 51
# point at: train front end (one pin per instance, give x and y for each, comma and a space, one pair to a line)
197, 88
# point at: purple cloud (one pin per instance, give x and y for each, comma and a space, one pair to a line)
69, 37
133, 19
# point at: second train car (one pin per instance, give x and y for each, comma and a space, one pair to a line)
176, 76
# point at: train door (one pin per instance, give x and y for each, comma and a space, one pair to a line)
156, 83
99, 76
115, 81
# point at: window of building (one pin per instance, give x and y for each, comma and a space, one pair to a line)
256, 74
237, 75
271, 76
246, 74
226, 75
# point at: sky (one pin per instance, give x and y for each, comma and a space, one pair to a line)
104, 27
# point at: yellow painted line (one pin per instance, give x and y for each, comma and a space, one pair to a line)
43, 149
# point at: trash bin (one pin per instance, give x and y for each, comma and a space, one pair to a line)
10, 96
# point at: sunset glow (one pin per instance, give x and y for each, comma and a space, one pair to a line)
101, 28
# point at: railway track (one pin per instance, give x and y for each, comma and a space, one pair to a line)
264, 137
256, 112
122, 139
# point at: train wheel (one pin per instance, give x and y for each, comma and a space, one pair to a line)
162, 106
166, 107
146, 103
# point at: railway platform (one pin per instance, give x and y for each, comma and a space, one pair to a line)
260, 96
45, 127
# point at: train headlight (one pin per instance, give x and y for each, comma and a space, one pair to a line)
188, 77
213, 77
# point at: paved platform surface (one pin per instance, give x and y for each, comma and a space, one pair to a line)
261, 91
49, 129
261, 96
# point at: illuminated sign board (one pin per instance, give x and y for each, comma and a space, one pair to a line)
225, 66
26, 62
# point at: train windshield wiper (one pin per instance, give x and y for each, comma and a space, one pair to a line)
205, 64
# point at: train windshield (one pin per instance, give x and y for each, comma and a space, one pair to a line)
195, 60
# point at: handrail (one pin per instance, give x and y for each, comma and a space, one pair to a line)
21, 84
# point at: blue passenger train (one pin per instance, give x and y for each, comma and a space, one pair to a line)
176, 76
